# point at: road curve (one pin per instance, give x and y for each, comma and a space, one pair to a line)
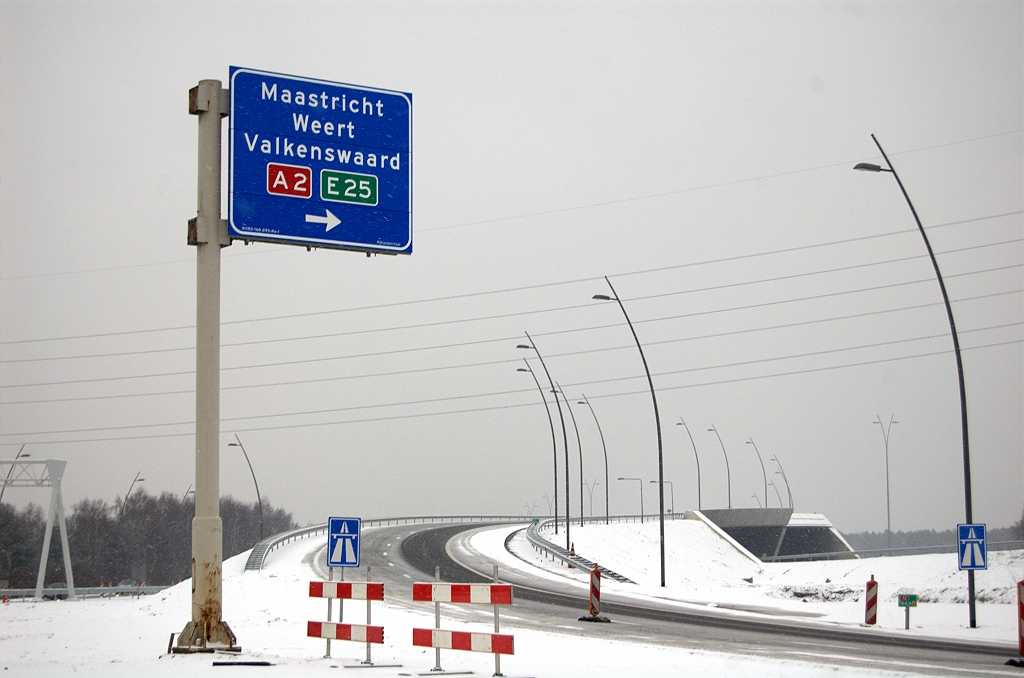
549, 605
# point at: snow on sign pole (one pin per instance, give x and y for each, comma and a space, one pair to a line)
319, 164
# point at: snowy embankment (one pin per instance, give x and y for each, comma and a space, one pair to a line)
703, 569
268, 612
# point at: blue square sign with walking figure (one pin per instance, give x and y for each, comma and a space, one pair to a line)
343, 542
973, 547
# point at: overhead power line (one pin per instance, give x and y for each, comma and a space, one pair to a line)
523, 288
422, 415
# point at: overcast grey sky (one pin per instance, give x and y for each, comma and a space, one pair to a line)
697, 153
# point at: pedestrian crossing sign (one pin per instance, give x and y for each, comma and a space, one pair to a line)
973, 547
343, 542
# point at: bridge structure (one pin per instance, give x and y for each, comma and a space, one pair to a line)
43, 473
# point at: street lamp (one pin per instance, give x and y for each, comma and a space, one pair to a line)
750, 441
885, 437
554, 445
579, 446
605, 449
641, 496
9, 470
784, 478
777, 495
683, 424
187, 492
672, 493
657, 423
565, 436
728, 476
258, 498
130, 487
869, 167
590, 489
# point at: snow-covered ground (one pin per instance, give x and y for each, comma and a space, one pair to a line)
268, 612
703, 569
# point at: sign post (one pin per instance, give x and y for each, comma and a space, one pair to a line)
313, 163
907, 601
208, 233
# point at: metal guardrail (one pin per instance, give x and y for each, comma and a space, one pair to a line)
84, 592
544, 546
259, 552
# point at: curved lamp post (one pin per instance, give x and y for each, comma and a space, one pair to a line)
605, 449
565, 436
11, 469
869, 167
885, 437
551, 423
258, 498
657, 424
641, 482
683, 424
590, 490
728, 476
784, 478
777, 495
130, 488
579, 446
750, 441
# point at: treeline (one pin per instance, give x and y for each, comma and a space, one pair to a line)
868, 541
148, 537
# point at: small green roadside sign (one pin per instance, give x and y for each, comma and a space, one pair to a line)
908, 600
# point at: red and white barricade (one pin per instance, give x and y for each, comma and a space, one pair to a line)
871, 602
480, 594
342, 590
355, 632
496, 643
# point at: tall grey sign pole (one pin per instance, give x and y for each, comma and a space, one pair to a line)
208, 233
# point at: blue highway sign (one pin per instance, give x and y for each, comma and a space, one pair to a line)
319, 164
973, 547
343, 542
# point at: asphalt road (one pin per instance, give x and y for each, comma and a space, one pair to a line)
401, 555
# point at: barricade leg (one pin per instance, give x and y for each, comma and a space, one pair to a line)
437, 622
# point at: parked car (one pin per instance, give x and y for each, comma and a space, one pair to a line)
58, 590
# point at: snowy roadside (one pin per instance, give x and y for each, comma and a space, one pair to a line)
268, 611
704, 570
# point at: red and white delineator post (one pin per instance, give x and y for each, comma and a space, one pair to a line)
871, 602
484, 594
595, 592
595, 597
341, 590
1020, 617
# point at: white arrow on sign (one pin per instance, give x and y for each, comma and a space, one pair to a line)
330, 220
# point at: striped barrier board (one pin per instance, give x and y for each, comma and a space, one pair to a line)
484, 594
346, 590
356, 632
496, 643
